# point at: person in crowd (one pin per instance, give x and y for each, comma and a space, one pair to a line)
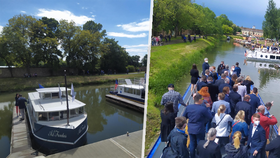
221, 101
222, 80
226, 84
169, 37
231, 72
195, 75
255, 100
205, 94
256, 139
207, 73
226, 92
240, 125
213, 89
234, 98
202, 83
248, 83
208, 148
268, 106
274, 146
222, 125
241, 89
174, 97
205, 66
178, 139
246, 107
167, 121
236, 149
265, 122
234, 79
237, 69
226, 69
189, 38
16, 104
194, 38
198, 115
21, 104
221, 67
230, 81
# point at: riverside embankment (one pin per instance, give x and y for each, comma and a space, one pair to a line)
168, 64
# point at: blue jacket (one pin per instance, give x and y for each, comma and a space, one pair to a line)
227, 98
198, 115
242, 127
255, 102
246, 107
204, 67
237, 70
224, 85
258, 141
21, 102
200, 85
178, 141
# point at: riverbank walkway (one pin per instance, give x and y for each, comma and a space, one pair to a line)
125, 102
121, 146
20, 140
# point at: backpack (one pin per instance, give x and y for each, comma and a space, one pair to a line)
168, 152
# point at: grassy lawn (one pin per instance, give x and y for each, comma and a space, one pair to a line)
168, 64
19, 84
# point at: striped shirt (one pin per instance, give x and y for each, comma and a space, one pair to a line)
172, 96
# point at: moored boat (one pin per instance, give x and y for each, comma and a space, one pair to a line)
263, 55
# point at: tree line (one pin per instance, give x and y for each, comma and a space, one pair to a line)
271, 24
169, 16
29, 42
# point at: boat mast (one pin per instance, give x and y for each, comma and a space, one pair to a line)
66, 99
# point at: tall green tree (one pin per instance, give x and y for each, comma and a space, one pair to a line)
134, 60
271, 26
144, 60
6, 55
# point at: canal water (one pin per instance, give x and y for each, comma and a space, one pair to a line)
105, 119
265, 79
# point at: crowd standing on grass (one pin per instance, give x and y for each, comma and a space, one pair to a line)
226, 117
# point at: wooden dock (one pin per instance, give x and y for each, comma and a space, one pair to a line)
125, 102
20, 139
118, 147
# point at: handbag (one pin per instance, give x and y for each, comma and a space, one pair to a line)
213, 125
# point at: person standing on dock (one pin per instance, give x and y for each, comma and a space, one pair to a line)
205, 66
21, 104
198, 115
174, 97
16, 104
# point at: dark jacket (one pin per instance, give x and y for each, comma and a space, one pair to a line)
246, 107
234, 98
232, 152
178, 141
237, 70
167, 124
211, 151
258, 141
21, 102
274, 148
224, 85
224, 71
213, 91
198, 115
221, 67
248, 85
204, 67
16, 98
219, 82
200, 85
227, 99
255, 102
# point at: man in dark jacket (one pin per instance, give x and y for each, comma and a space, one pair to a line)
226, 84
203, 82
274, 146
198, 115
221, 67
246, 107
234, 98
213, 89
237, 69
21, 104
178, 139
226, 69
205, 66
255, 100
221, 81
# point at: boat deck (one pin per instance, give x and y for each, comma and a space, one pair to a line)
125, 102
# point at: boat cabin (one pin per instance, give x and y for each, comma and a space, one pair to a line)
135, 91
46, 105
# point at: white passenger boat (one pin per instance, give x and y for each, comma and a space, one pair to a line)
51, 129
263, 55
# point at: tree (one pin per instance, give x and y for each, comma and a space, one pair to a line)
227, 30
271, 24
144, 60
6, 55
134, 60
94, 27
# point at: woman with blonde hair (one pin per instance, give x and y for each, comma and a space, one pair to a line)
222, 121
240, 125
236, 149
248, 83
208, 148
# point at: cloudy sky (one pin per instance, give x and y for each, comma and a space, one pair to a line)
244, 13
125, 20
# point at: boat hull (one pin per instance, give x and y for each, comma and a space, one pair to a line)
262, 60
141, 101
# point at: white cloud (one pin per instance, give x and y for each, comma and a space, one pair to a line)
66, 15
117, 34
135, 46
132, 50
1, 29
93, 16
23, 11
136, 27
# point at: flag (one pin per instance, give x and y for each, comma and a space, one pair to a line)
265, 43
40, 86
245, 54
72, 92
116, 84
59, 93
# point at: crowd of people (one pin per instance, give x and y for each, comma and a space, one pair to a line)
158, 40
226, 117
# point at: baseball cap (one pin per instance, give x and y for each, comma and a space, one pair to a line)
171, 85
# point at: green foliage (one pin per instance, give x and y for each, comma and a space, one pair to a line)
131, 68
271, 25
227, 30
134, 60
144, 60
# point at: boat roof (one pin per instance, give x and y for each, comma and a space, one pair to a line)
51, 89
133, 86
52, 105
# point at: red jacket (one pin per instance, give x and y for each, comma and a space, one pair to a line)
265, 122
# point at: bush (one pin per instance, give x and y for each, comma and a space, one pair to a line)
131, 68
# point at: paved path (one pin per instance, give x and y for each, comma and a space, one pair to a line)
125, 102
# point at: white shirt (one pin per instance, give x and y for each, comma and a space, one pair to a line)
254, 129
223, 125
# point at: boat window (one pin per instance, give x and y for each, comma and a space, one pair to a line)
54, 95
261, 56
81, 110
266, 56
46, 95
63, 114
53, 116
277, 57
272, 57
74, 112
43, 116
260, 64
137, 92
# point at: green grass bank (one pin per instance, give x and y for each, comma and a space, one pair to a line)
20, 84
168, 64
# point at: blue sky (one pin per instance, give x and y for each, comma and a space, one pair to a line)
244, 13
125, 20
